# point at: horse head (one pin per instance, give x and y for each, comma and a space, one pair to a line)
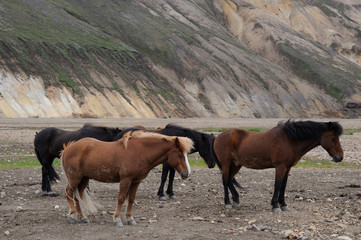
114, 132
178, 157
330, 141
206, 150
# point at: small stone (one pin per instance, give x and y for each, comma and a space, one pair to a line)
253, 221
2, 194
143, 218
19, 208
152, 221
312, 228
254, 228
290, 234
343, 238
328, 220
7, 233
223, 215
329, 200
198, 219
287, 233
56, 207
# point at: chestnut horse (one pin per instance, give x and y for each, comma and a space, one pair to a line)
203, 144
127, 161
280, 147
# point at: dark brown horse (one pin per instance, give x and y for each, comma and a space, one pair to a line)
280, 147
127, 161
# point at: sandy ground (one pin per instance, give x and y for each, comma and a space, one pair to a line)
325, 202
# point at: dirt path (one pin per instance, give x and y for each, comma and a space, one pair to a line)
325, 203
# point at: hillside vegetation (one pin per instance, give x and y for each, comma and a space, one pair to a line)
174, 58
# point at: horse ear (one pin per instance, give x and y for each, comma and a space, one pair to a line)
177, 143
330, 126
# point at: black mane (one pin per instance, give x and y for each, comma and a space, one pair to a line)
305, 130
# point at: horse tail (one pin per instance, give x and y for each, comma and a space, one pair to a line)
86, 202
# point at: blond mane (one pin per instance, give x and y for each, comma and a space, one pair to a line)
185, 143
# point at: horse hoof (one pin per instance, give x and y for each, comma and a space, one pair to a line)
276, 210
172, 197
71, 220
228, 206
85, 220
285, 208
50, 194
162, 198
118, 224
132, 223
235, 204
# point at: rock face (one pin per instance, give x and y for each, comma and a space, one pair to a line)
176, 58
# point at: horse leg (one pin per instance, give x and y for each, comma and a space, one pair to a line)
237, 184
132, 192
281, 198
280, 174
81, 187
123, 190
49, 176
165, 170
170, 183
70, 197
233, 171
225, 177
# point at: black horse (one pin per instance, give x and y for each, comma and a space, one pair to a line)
203, 144
49, 142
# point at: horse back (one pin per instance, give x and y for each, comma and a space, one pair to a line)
226, 143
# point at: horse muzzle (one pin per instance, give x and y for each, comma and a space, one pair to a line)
337, 158
211, 164
184, 175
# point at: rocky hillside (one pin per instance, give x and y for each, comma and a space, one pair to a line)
174, 58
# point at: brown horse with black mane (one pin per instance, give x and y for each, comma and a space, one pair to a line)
280, 147
127, 161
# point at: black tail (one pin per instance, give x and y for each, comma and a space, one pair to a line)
49, 170
53, 176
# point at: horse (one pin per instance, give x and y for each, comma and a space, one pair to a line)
203, 143
280, 147
49, 142
127, 161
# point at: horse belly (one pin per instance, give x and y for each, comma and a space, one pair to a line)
255, 162
102, 173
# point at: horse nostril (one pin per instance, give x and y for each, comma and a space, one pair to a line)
337, 158
184, 175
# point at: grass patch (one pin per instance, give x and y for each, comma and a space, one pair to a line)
219, 130
23, 162
350, 131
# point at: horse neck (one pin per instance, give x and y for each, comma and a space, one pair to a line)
193, 135
307, 145
159, 156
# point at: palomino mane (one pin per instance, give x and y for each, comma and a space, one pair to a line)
185, 144
305, 130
